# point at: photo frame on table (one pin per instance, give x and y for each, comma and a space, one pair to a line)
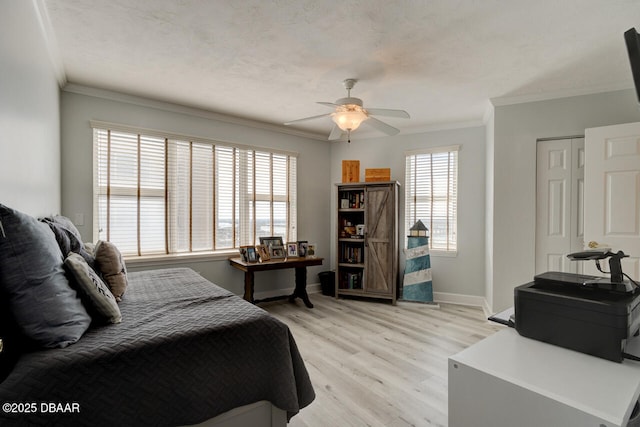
243, 253
263, 252
252, 255
292, 249
302, 248
277, 252
312, 250
271, 241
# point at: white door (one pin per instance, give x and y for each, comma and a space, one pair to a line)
559, 204
612, 198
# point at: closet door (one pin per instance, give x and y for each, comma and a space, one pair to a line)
380, 258
559, 204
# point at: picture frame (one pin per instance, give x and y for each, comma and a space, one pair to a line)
271, 241
277, 252
243, 253
302, 248
292, 249
263, 253
312, 250
252, 255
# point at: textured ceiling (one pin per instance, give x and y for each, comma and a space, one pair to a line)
440, 60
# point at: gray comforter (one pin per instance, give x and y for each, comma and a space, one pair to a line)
186, 351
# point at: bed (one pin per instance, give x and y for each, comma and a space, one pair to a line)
186, 352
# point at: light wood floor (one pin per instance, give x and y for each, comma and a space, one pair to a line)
374, 364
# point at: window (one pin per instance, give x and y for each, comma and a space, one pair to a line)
431, 194
167, 194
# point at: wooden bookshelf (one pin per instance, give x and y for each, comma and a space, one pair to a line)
367, 240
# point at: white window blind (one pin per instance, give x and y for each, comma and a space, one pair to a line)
431, 194
171, 195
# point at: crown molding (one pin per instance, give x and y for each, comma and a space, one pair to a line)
50, 41
211, 115
191, 111
197, 112
546, 96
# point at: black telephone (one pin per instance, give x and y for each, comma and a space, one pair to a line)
617, 281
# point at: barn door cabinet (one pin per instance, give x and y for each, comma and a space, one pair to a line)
367, 237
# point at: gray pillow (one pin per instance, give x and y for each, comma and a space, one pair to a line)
112, 267
46, 310
68, 237
95, 294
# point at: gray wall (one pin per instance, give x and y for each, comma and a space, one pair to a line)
29, 114
77, 171
513, 173
464, 273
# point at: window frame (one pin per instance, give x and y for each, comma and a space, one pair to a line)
450, 247
240, 236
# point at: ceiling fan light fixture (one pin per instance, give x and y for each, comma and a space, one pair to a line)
349, 117
348, 114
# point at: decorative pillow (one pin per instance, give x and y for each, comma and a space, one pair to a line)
111, 265
44, 307
91, 248
95, 294
68, 237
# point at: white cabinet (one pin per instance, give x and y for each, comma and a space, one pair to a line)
508, 380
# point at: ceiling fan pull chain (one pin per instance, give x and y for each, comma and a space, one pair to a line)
349, 136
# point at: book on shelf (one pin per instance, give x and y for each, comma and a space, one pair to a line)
357, 200
351, 281
354, 280
351, 254
352, 200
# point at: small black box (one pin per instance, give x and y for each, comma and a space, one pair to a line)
592, 321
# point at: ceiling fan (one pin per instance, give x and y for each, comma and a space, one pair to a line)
349, 114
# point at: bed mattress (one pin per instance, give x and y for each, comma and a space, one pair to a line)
186, 351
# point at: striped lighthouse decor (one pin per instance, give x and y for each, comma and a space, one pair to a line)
417, 284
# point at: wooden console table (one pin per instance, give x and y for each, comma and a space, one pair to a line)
300, 264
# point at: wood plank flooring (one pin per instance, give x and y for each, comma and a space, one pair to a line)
374, 364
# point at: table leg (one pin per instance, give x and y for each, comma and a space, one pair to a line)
248, 286
301, 287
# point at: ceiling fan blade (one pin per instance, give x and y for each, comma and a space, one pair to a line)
388, 113
336, 133
307, 118
381, 126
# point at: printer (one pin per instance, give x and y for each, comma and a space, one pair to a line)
590, 314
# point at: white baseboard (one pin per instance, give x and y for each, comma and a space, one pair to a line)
460, 299
488, 311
